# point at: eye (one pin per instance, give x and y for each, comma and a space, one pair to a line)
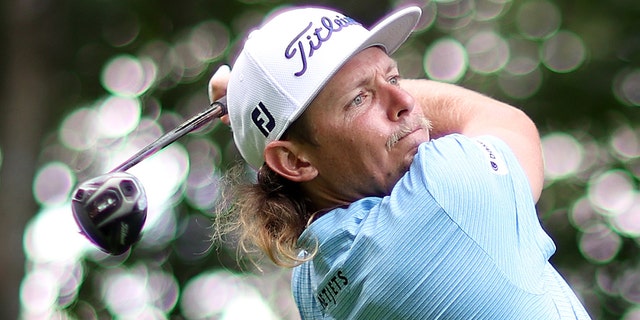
359, 99
395, 80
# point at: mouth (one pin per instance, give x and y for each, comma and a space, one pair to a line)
406, 130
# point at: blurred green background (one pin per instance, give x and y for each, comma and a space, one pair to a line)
86, 83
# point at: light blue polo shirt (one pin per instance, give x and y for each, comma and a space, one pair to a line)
457, 238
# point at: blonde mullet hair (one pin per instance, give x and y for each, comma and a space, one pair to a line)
268, 215
271, 213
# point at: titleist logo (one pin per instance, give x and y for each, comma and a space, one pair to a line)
315, 39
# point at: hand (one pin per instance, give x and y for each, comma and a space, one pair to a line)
218, 87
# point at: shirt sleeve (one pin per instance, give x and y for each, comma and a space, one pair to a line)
303, 288
480, 184
466, 175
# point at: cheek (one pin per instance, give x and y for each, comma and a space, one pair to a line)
357, 143
363, 147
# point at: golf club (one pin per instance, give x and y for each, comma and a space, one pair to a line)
111, 209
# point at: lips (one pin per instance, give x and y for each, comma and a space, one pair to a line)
406, 130
409, 133
399, 135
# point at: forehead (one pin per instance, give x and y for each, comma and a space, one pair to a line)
374, 59
359, 68
346, 82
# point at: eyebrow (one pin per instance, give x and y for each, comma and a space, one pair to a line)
392, 65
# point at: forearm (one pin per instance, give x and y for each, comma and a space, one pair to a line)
453, 109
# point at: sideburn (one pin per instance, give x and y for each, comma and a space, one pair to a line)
300, 131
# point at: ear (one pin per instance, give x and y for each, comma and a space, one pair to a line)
288, 160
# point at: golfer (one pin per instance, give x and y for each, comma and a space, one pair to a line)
391, 198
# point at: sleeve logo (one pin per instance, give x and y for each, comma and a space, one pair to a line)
496, 162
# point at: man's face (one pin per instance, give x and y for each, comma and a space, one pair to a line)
367, 129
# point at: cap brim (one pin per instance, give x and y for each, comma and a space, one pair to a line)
392, 31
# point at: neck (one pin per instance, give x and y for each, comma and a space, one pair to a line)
322, 200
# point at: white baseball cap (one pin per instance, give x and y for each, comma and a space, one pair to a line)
287, 61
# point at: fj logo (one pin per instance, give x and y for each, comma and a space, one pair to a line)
263, 119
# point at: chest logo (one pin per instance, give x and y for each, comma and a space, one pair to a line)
328, 294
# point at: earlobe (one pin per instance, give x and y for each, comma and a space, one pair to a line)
286, 159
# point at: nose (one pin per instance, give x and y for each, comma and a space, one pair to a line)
398, 101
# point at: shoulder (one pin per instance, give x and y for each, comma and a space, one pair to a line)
457, 149
461, 172
455, 158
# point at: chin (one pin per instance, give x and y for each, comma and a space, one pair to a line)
400, 173
409, 159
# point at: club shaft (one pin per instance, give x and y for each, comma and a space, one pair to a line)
216, 110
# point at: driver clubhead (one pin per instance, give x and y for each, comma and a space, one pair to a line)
111, 210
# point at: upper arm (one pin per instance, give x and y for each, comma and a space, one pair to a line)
522, 137
453, 109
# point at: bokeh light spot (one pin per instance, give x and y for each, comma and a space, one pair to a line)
217, 295
118, 116
562, 154
38, 292
487, 10
237, 309
455, 8
428, 17
163, 289
627, 222
488, 52
53, 183
161, 230
209, 40
599, 244
583, 214
563, 52
630, 286
626, 87
162, 176
125, 292
203, 179
524, 55
128, 76
626, 143
538, 19
78, 130
521, 65
446, 60
53, 236
611, 191
520, 85
632, 313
